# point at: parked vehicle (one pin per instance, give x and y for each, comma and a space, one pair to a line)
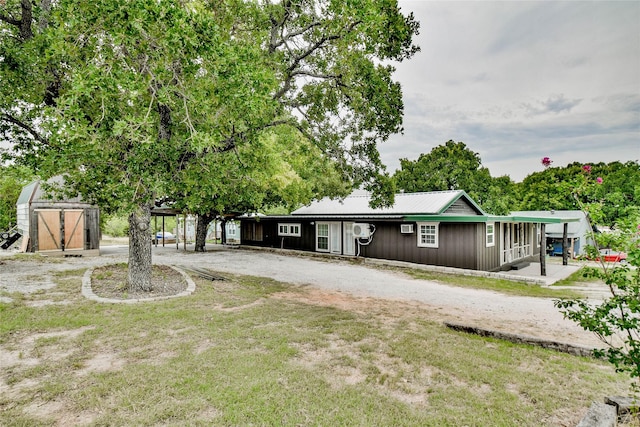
167, 238
612, 256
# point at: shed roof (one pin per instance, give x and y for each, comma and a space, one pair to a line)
428, 203
35, 192
26, 193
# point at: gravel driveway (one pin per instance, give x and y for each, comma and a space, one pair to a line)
535, 317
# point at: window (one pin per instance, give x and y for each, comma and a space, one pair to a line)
322, 235
491, 232
289, 230
428, 234
538, 235
232, 229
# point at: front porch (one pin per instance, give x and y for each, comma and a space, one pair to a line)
519, 242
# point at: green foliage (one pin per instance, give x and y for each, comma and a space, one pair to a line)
616, 320
12, 179
453, 166
222, 106
617, 197
116, 226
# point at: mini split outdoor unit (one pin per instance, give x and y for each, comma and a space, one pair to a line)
361, 231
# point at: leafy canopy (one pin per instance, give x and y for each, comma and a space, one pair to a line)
453, 166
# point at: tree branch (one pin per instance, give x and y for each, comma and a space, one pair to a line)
9, 20
292, 71
11, 119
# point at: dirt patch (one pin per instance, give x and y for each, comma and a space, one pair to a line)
398, 309
110, 281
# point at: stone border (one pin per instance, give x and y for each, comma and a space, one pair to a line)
575, 350
87, 292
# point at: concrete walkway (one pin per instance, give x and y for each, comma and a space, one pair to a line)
555, 271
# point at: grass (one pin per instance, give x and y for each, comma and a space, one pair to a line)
489, 283
576, 278
251, 351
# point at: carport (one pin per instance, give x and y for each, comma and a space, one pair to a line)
164, 211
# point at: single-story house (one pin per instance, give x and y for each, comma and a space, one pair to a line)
578, 233
444, 228
53, 226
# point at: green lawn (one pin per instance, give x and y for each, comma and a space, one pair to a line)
252, 351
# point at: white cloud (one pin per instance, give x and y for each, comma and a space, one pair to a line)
517, 81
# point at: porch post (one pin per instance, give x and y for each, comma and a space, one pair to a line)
543, 251
184, 232
565, 243
163, 229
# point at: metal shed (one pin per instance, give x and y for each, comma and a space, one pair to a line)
57, 227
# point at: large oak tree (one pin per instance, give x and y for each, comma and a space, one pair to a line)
134, 96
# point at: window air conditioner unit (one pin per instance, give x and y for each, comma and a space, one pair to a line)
361, 231
406, 228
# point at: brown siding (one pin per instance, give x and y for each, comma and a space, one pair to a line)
461, 245
270, 238
488, 257
92, 228
456, 245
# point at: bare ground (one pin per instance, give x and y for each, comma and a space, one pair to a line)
480, 308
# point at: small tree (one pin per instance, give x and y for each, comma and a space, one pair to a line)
615, 320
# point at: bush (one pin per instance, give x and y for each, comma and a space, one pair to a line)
116, 226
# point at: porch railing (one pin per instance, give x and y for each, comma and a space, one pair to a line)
516, 253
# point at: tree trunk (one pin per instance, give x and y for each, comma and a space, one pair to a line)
139, 274
223, 231
202, 227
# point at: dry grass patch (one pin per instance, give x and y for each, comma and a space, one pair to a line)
252, 351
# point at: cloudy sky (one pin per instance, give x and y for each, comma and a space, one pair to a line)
518, 81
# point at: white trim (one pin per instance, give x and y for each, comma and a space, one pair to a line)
318, 236
490, 237
431, 230
292, 230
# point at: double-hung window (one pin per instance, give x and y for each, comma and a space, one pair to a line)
491, 234
428, 234
289, 230
322, 237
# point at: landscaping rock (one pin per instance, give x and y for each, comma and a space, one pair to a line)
600, 415
624, 405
